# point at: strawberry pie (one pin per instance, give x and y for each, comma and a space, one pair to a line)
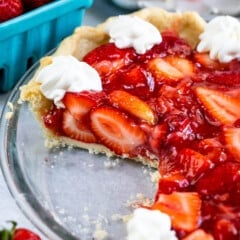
163, 89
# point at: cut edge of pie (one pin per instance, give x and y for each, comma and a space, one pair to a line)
188, 25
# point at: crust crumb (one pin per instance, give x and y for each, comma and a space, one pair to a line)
155, 176
100, 233
123, 218
139, 200
9, 114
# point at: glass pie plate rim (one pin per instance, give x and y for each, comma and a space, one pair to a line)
20, 191
13, 173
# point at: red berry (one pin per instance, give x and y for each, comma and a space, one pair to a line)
10, 9
117, 131
15, 233
25, 234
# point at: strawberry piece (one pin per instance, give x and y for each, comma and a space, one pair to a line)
229, 78
24, 234
53, 120
133, 105
16, 233
10, 9
198, 234
175, 181
220, 106
213, 149
107, 60
163, 70
31, 4
171, 45
76, 129
232, 139
221, 183
79, 104
109, 52
174, 45
115, 130
157, 136
227, 229
182, 207
171, 68
193, 164
135, 79
184, 65
205, 60
106, 68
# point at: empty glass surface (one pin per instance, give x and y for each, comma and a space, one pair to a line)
66, 192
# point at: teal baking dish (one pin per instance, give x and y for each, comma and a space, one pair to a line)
25, 39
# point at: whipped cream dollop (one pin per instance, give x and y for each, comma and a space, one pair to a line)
221, 38
67, 74
132, 31
150, 225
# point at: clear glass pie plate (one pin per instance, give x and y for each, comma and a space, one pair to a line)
66, 192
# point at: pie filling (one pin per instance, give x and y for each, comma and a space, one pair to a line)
178, 106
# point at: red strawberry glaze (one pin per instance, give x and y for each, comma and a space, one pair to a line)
192, 130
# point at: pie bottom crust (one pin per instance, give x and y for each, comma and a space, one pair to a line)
189, 25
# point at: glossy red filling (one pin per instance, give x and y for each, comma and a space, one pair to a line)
183, 108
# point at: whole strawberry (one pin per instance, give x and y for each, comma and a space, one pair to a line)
18, 233
10, 9
31, 4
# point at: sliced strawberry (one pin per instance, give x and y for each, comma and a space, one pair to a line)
205, 60
222, 73
228, 78
227, 229
108, 58
136, 80
75, 129
213, 149
184, 65
133, 105
170, 68
53, 120
220, 106
163, 70
175, 181
182, 207
235, 92
193, 164
106, 68
157, 137
221, 183
171, 45
174, 45
79, 104
115, 130
110, 52
198, 234
232, 139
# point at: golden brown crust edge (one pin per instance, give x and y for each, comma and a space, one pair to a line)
188, 25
